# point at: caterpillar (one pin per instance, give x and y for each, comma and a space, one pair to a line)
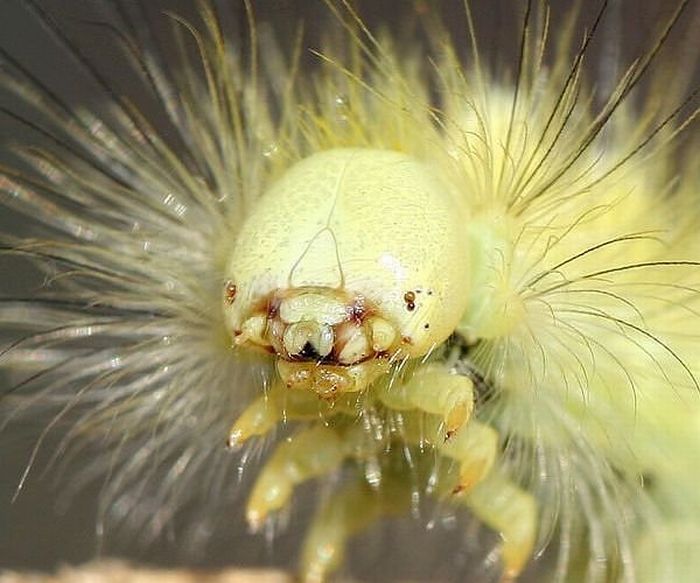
379, 270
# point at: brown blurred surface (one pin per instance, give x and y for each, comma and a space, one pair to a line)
116, 572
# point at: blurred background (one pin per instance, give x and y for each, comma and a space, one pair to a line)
45, 526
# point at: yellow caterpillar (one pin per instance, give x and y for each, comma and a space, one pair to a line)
434, 281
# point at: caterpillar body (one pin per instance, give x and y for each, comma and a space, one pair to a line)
407, 276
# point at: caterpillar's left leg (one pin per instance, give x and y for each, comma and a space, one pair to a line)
280, 403
512, 512
308, 454
354, 508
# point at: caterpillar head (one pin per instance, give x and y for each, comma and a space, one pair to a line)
353, 259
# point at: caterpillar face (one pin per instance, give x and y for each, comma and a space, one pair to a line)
371, 268
347, 203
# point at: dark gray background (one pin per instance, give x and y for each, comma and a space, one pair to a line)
38, 533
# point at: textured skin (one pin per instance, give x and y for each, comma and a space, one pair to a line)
344, 202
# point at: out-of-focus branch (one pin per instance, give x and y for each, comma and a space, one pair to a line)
117, 572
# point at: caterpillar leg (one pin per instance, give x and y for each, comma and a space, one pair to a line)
352, 509
512, 512
308, 454
433, 389
475, 447
494, 499
280, 403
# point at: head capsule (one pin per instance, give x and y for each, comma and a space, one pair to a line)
352, 259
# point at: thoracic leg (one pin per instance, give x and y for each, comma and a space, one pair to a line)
512, 512
493, 498
352, 509
280, 403
433, 389
433, 407
308, 454
474, 447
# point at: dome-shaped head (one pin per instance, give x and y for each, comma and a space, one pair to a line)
352, 259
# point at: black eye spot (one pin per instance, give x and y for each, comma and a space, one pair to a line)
426, 325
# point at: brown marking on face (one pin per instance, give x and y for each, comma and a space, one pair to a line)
230, 291
410, 299
272, 307
359, 309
